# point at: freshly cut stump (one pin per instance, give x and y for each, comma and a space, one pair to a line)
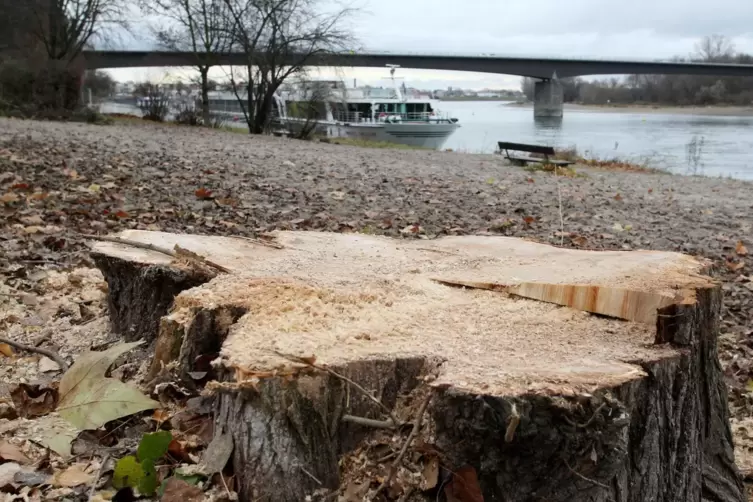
557, 374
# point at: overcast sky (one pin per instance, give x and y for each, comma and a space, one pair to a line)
603, 29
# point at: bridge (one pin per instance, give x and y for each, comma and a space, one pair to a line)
548, 92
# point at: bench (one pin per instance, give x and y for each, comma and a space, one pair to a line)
521, 160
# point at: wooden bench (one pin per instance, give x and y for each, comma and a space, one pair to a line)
520, 160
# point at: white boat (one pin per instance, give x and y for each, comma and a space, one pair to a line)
377, 114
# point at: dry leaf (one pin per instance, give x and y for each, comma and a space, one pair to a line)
12, 453
528, 220
579, 240
6, 350
203, 193
618, 197
734, 267
72, 476
33, 400
9, 197
177, 490
740, 249
464, 486
430, 474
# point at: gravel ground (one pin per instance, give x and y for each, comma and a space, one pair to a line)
58, 181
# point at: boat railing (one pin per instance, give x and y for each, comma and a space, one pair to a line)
379, 117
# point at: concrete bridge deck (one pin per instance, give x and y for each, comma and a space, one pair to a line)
548, 92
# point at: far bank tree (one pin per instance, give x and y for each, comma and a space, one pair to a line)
279, 39
201, 27
43, 68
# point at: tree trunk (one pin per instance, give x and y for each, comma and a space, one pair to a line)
204, 71
554, 374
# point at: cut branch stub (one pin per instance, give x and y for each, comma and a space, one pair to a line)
546, 402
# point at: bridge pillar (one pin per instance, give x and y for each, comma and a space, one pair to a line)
548, 96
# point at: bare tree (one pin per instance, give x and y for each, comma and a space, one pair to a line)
198, 26
65, 27
279, 39
715, 48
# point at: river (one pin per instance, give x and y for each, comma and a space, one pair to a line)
708, 145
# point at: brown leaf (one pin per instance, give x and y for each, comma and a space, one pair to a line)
178, 451
528, 220
6, 350
9, 197
650, 190
160, 415
20, 186
464, 486
33, 400
177, 490
740, 249
122, 214
430, 474
72, 476
618, 197
734, 267
579, 240
203, 193
12, 453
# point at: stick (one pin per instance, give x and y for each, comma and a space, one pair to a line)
45, 352
260, 242
149, 247
581, 476
99, 475
413, 432
368, 422
365, 392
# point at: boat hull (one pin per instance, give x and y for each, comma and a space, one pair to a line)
430, 135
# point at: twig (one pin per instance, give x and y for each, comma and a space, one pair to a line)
559, 198
512, 425
365, 392
368, 422
406, 445
224, 483
581, 476
45, 352
587, 422
310, 475
151, 247
101, 469
260, 242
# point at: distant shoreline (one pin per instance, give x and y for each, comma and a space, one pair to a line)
725, 111
472, 98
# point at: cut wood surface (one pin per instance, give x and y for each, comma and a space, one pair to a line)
507, 331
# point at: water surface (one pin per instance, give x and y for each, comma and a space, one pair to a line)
683, 144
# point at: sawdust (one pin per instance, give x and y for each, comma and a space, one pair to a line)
344, 298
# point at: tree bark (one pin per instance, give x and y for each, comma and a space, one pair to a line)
204, 71
653, 425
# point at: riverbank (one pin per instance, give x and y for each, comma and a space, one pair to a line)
59, 181
723, 111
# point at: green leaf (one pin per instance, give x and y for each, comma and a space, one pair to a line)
154, 446
148, 482
88, 399
128, 472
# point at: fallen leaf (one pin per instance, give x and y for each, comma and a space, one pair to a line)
56, 434
33, 400
178, 490
122, 214
12, 453
217, 454
528, 220
203, 193
88, 399
8, 471
9, 197
618, 197
154, 446
160, 415
740, 249
579, 240
72, 476
650, 190
734, 267
464, 486
618, 227
6, 350
94, 188
128, 473
430, 474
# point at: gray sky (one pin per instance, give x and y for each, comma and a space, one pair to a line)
602, 29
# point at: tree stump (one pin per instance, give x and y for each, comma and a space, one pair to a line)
555, 374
